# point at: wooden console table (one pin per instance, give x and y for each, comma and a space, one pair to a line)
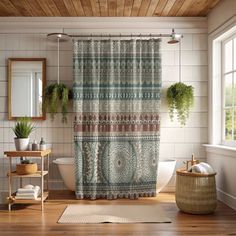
39, 174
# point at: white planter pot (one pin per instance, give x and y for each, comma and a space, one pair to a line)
22, 144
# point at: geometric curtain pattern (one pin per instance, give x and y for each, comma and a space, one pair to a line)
116, 91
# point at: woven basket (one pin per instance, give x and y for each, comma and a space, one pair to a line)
26, 169
195, 192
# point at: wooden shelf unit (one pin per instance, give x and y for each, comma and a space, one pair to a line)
39, 174
30, 201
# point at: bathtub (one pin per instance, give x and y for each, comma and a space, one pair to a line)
66, 168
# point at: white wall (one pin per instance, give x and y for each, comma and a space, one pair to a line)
220, 14
21, 38
221, 22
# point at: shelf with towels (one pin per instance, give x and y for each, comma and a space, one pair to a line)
28, 201
43, 172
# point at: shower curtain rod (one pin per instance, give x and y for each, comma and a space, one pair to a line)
120, 35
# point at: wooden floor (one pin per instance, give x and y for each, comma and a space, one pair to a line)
28, 220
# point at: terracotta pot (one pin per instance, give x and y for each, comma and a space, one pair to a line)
26, 169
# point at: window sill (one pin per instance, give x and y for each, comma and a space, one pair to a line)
221, 149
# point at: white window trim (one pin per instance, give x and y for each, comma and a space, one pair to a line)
232, 36
215, 81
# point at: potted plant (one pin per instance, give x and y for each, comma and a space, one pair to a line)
180, 98
22, 130
56, 97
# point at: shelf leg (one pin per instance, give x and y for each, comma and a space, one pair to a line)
42, 182
9, 182
48, 172
9, 206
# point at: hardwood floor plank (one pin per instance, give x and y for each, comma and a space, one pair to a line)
222, 222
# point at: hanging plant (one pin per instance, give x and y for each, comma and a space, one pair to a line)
180, 99
56, 98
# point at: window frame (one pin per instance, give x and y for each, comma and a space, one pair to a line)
232, 37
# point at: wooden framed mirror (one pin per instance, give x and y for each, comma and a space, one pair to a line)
26, 84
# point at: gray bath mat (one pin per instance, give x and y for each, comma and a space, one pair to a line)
92, 214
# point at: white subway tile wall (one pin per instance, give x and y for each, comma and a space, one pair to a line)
176, 142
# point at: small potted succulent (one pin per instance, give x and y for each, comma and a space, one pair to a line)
22, 130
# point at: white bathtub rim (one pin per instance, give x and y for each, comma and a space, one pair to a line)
64, 161
70, 160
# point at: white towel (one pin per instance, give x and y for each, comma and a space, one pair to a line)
201, 168
24, 193
27, 190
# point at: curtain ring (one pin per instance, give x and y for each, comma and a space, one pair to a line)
131, 36
120, 36
91, 36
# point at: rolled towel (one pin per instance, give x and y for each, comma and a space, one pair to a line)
207, 167
201, 168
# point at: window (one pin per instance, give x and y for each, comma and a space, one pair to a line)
229, 89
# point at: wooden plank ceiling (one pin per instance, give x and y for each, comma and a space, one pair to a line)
106, 7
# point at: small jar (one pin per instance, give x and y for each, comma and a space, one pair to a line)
42, 145
35, 146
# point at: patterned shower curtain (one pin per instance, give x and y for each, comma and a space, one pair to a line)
116, 91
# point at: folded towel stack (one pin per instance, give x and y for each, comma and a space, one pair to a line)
202, 167
28, 192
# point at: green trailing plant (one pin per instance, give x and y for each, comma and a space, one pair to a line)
23, 127
180, 99
56, 98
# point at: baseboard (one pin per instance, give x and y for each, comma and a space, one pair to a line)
168, 189
226, 198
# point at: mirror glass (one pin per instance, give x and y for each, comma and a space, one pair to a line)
26, 87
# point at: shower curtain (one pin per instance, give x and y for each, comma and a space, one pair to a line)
116, 92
